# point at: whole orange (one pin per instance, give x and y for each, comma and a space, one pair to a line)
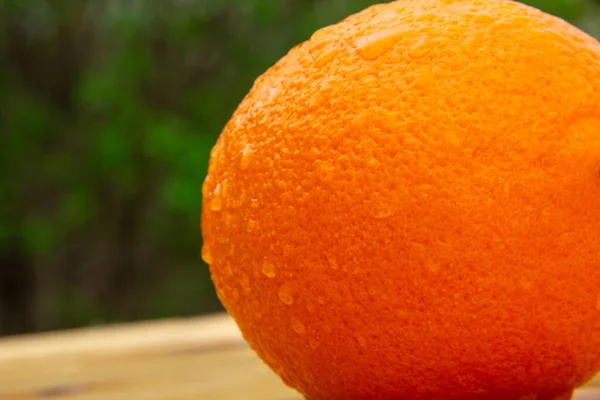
407, 206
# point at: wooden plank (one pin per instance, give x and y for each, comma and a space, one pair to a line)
202, 358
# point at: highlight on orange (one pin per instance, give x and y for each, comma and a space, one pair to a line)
407, 206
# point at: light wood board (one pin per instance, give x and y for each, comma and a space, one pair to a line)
201, 358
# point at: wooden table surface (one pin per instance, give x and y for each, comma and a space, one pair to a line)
201, 358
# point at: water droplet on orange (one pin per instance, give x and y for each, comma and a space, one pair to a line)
361, 340
425, 17
228, 268
381, 206
216, 202
420, 49
373, 46
246, 156
224, 188
431, 265
326, 57
483, 18
206, 254
285, 295
287, 249
251, 225
298, 326
383, 212
268, 269
245, 282
332, 262
205, 191
229, 219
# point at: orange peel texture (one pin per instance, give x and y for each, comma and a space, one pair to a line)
407, 206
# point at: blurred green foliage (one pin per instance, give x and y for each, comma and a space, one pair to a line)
109, 111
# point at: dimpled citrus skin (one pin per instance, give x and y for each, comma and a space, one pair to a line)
407, 206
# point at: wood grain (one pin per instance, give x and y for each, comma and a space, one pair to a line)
202, 358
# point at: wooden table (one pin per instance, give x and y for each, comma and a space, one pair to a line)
202, 358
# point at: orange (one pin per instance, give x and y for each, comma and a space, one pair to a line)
407, 206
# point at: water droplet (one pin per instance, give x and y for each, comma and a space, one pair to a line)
322, 33
224, 188
246, 156
228, 268
285, 295
432, 265
245, 282
420, 49
251, 225
268, 269
206, 254
425, 16
313, 343
381, 206
216, 202
382, 211
229, 219
287, 249
373, 46
326, 57
483, 18
298, 326
332, 262
361, 340
205, 191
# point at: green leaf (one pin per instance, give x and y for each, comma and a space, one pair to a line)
265, 11
183, 292
77, 207
74, 308
113, 148
96, 91
39, 235
181, 195
164, 141
569, 10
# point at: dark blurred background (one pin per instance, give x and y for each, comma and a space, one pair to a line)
108, 112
